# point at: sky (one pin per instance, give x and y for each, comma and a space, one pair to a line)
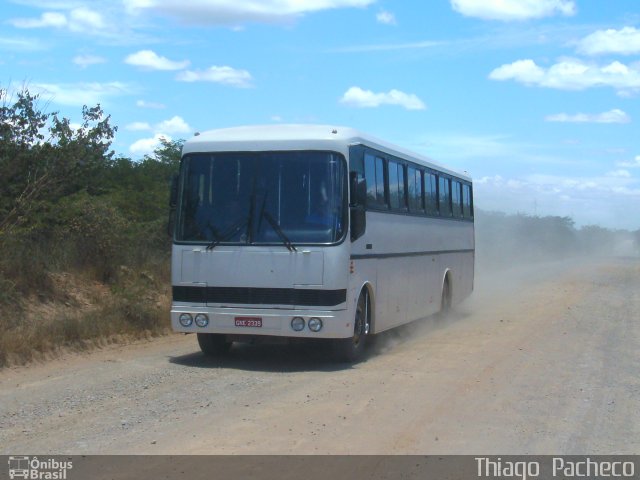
538, 100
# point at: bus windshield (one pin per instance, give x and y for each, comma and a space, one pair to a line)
262, 198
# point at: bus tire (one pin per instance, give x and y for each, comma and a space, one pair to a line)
352, 349
213, 344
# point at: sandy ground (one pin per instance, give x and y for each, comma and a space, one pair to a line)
542, 359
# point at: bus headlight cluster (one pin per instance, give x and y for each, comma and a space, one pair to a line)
298, 324
201, 320
185, 319
315, 324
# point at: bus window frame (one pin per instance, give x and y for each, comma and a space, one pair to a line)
345, 203
424, 170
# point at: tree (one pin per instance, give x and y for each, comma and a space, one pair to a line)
42, 158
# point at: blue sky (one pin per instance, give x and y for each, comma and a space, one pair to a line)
536, 99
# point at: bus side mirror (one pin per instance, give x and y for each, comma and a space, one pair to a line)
357, 213
173, 201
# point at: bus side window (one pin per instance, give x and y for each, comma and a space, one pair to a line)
394, 200
431, 193
402, 190
415, 190
467, 201
397, 195
444, 190
374, 175
456, 198
380, 183
370, 177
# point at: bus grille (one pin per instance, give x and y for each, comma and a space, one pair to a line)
259, 296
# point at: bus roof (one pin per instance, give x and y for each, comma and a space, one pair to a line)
296, 137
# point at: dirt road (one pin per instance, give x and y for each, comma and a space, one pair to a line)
542, 359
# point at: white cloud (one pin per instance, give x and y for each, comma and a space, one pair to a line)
635, 163
164, 129
148, 145
612, 116
78, 94
79, 20
21, 44
571, 74
47, 19
233, 12
446, 146
508, 10
84, 61
84, 19
151, 60
620, 173
103, 19
624, 42
224, 75
152, 105
525, 71
357, 97
607, 183
386, 18
174, 125
388, 47
138, 127
598, 200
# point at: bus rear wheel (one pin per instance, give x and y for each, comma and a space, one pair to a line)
213, 344
352, 349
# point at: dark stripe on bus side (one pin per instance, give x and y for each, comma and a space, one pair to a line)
407, 254
259, 296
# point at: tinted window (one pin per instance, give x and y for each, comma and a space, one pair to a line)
414, 183
456, 198
402, 196
444, 190
374, 174
467, 201
430, 193
396, 185
251, 198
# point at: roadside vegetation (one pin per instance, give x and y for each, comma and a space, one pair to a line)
84, 251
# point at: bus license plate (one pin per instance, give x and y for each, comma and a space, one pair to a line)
248, 322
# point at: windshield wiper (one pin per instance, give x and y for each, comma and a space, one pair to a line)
214, 231
228, 234
285, 240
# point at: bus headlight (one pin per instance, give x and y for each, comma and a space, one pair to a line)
297, 323
186, 319
315, 324
202, 320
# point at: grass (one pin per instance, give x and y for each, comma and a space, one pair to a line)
47, 310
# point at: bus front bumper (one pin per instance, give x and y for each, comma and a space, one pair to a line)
237, 321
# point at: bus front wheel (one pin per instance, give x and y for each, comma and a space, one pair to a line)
352, 349
213, 344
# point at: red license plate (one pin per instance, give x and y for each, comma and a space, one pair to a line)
248, 322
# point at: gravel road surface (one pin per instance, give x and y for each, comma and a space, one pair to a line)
542, 359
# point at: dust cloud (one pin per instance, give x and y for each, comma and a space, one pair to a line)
515, 253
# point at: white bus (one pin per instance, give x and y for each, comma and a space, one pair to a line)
307, 231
